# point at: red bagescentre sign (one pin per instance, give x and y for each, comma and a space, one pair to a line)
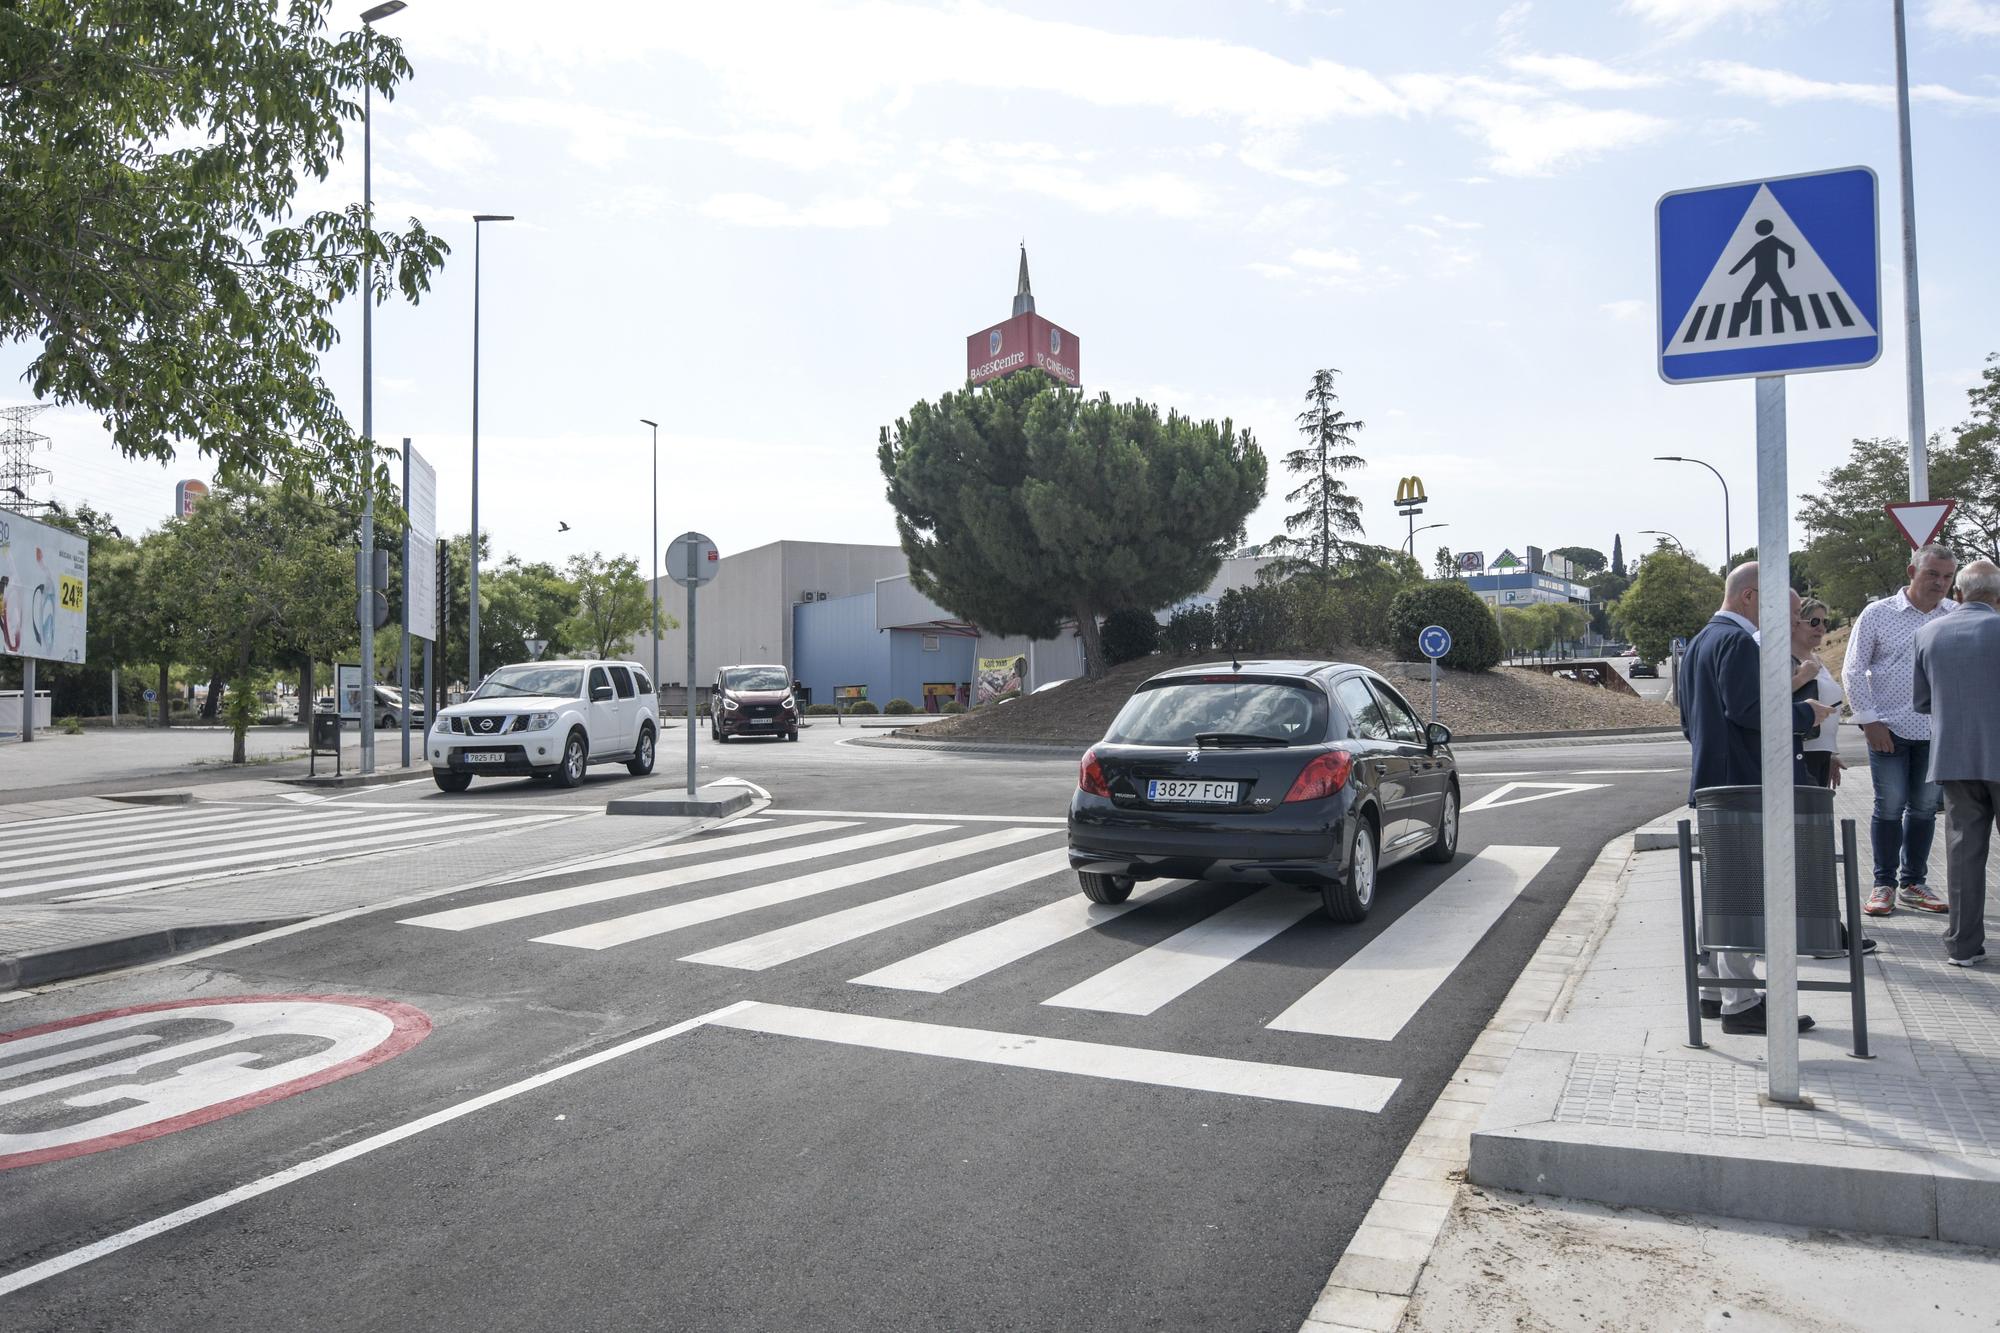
1018, 343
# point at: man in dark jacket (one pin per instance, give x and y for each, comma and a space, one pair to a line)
1721, 699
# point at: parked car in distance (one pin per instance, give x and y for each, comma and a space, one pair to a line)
1651, 670
548, 720
753, 700
1315, 774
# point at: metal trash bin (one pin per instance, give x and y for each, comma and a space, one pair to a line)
1731, 820
326, 732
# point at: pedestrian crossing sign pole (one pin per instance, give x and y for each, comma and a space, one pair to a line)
1759, 280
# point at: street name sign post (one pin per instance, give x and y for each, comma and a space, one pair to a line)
1759, 280
1434, 641
691, 561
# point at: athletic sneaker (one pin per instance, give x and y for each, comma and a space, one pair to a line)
1920, 897
1882, 901
1973, 961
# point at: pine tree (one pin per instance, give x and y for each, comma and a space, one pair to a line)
1315, 536
1618, 555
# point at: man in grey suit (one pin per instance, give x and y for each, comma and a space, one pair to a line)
1957, 682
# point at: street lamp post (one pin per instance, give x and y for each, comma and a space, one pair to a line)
472, 578
1410, 542
653, 574
1913, 362
1728, 546
1655, 532
365, 566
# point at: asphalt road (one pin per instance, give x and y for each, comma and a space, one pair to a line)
831, 1155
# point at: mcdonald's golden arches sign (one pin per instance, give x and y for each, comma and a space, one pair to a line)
1410, 491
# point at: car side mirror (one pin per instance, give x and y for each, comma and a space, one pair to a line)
600, 694
1438, 734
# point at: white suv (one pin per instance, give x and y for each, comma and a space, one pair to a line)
548, 720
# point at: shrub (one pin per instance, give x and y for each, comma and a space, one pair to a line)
899, 708
1475, 637
821, 710
1191, 630
1251, 620
71, 726
954, 707
862, 708
1129, 635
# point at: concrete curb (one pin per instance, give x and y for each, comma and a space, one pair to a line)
707, 803
380, 777
153, 797
1370, 1288
38, 967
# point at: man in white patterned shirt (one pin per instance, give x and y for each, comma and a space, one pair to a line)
1879, 674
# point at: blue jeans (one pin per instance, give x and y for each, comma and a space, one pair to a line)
1906, 806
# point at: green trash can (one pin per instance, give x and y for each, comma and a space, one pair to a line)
1731, 820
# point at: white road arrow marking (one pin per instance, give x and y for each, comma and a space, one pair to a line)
1537, 791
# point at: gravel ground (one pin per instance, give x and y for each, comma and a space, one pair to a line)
1503, 700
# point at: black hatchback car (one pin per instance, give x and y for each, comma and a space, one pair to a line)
1316, 774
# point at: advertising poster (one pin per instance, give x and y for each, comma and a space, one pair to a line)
997, 676
44, 590
347, 690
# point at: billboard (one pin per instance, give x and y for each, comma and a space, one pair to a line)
347, 690
1472, 562
186, 493
420, 581
1018, 343
44, 590
997, 676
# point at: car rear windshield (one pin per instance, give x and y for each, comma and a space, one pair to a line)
1227, 711
755, 678
511, 682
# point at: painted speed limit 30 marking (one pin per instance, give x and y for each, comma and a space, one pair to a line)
103, 1080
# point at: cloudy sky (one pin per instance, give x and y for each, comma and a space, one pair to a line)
771, 227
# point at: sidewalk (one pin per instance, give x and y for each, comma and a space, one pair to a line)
1685, 1201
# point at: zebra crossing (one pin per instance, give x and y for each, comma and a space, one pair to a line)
119, 853
817, 865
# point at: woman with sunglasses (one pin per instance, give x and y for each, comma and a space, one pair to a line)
1811, 680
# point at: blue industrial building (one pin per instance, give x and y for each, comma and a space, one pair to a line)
892, 643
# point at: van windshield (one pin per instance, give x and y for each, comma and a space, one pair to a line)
756, 678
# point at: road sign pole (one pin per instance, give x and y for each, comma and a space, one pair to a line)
403, 680
1434, 689
1913, 370
27, 698
1774, 625
694, 555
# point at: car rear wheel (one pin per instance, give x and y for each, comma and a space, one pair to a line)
570, 771
1445, 846
1105, 888
642, 758
1348, 898
449, 781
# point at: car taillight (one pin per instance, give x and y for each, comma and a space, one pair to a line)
1324, 776
1090, 775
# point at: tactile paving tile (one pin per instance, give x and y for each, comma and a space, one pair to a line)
1948, 1115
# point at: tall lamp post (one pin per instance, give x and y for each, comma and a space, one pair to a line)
1410, 542
1728, 546
365, 566
472, 578
653, 575
1655, 532
1913, 365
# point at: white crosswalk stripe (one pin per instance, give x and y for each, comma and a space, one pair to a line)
809, 937
117, 854
581, 895
1147, 980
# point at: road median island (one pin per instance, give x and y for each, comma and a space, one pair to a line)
1507, 702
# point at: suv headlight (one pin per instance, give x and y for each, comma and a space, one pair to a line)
728, 705
442, 725
541, 721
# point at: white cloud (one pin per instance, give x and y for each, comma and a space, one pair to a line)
449, 148
1782, 88
1580, 74
1272, 270
1163, 192
1267, 153
1965, 18
1538, 140
597, 137
1334, 261
1625, 310
1684, 18
756, 210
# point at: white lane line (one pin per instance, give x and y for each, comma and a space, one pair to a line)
969, 957
698, 845
824, 932
1150, 978
604, 891
194, 1212
1521, 793
774, 812
271, 849
1126, 1064
30, 836
409, 838
31, 829
1373, 994
742, 782
165, 844
679, 916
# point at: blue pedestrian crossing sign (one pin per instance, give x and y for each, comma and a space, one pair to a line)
1434, 641
1769, 277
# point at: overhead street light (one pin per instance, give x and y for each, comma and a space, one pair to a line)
472, 582
1655, 532
1410, 542
1728, 545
